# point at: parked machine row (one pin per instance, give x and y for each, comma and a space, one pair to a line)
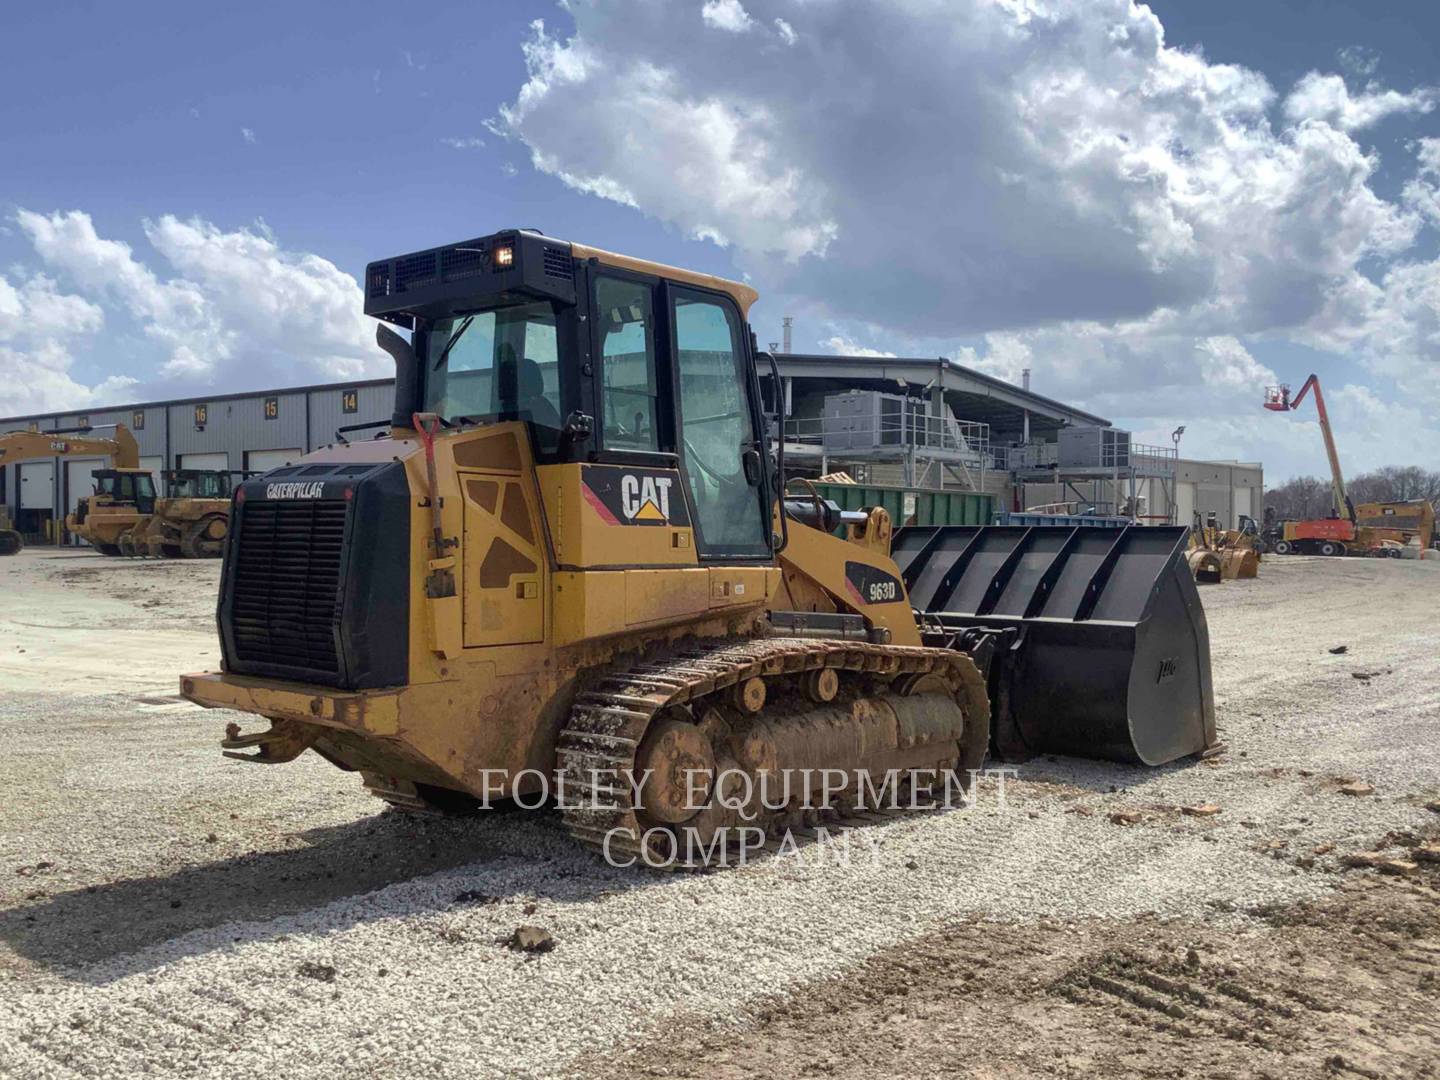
124, 515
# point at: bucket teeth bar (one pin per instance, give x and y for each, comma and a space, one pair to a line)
1093, 639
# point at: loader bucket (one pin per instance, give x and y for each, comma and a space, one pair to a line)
1239, 563
1206, 566
1095, 639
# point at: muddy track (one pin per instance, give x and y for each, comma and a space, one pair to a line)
610, 720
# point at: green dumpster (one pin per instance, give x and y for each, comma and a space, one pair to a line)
912, 506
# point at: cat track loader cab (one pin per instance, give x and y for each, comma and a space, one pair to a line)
573, 567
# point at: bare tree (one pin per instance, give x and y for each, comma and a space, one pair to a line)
1308, 497
1396, 484
1299, 499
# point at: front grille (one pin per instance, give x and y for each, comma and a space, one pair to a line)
285, 592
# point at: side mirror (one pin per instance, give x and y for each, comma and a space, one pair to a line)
750, 461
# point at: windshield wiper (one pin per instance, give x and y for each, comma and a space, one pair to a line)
459, 331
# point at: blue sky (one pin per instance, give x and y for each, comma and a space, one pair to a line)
251, 156
133, 111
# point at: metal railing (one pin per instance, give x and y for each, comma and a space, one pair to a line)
1145, 459
1030, 456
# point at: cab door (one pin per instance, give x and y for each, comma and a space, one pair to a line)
720, 455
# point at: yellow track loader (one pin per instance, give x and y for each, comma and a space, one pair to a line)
191, 520
573, 568
124, 493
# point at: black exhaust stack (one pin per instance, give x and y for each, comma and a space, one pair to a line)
407, 375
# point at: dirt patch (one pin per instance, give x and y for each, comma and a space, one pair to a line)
1345, 987
75, 619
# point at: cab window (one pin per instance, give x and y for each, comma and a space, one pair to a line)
624, 311
503, 361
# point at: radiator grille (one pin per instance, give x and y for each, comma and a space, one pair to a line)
286, 585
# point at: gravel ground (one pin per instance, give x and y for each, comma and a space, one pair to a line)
165, 910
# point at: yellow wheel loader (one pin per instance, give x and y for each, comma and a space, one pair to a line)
572, 569
124, 493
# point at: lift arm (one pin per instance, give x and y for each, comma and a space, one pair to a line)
1278, 399
17, 446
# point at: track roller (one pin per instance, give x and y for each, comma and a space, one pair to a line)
694, 759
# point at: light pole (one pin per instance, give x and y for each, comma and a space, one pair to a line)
1175, 479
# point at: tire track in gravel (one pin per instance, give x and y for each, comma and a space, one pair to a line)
424, 986
633, 949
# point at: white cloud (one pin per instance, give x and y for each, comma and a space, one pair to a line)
786, 32
726, 15
248, 135
463, 142
1422, 192
39, 328
1043, 164
1050, 176
1358, 60
1005, 356
1326, 97
240, 312
707, 163
1134, 370
843, 346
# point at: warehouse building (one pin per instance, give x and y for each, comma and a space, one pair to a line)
252, 432
928, 424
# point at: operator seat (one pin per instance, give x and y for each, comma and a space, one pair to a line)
530, 395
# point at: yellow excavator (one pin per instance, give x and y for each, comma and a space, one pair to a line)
124, 493
573, 567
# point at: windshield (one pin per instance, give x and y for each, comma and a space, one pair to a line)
207, 485
124, 486
499, 362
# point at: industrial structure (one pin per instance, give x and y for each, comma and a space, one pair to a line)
893, 423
